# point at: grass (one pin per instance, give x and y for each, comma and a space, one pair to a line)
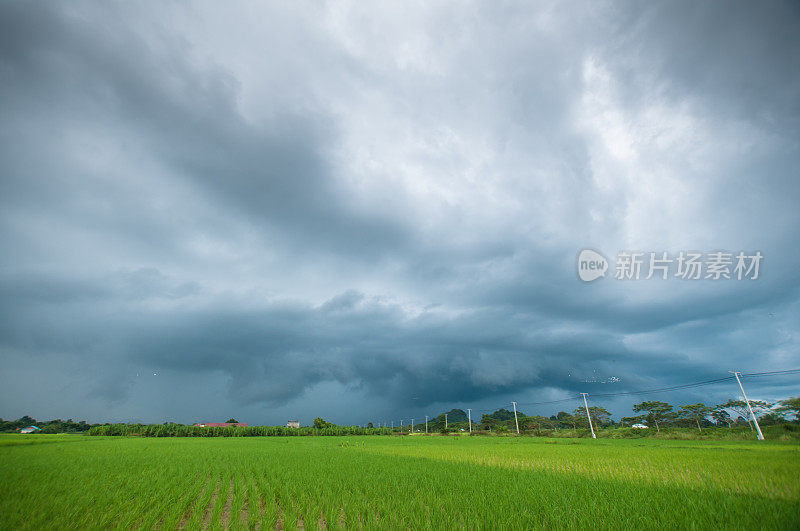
60, 481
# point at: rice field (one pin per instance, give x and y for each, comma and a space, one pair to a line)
63, 481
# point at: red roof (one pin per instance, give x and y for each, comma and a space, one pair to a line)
221, 424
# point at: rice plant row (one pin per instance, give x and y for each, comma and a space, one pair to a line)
391, 483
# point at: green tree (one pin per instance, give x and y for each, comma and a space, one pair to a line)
790, 405
454, 416
598, 415
579, 418
760, 407
770, 419
535, 422
503, 414
320, 423
695, 412
740, 408
721, 415
565, 419
488, 422
656, 411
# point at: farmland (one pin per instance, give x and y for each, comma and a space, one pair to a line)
74, 481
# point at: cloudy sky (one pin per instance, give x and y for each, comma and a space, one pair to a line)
372, 212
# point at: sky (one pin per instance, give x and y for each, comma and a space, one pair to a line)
372, 212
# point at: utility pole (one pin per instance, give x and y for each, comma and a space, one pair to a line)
401, 426
412, 426
445, 421
469, 416
588, 416
392, 426
515, 416
426, 423
755, 420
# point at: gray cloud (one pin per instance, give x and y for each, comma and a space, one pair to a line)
329, 210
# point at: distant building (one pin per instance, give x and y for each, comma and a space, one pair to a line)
29, 429
221, 424
639, 426
293, 424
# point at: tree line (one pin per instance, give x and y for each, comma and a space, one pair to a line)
47, 426
183, 430
653, 414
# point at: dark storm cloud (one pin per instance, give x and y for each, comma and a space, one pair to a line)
208, 209
185, 116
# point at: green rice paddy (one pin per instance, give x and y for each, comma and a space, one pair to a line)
63, 481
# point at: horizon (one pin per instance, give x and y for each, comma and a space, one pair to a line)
773, 406
288, 211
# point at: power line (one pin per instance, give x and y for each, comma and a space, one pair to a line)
576, 397
664, 389
770, 373
695, 384
656, 390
